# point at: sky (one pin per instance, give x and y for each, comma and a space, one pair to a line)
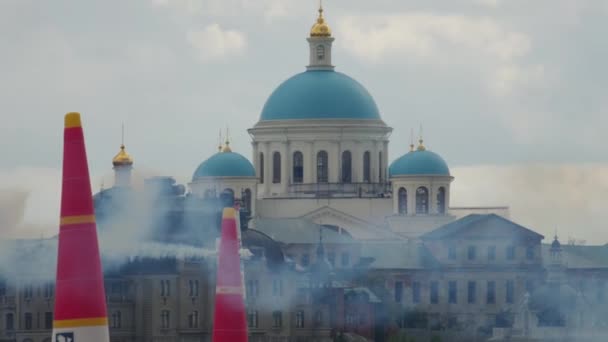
512, 93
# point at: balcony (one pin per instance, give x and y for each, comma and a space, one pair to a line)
340, 190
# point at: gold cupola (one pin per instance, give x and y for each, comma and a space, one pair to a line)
122, 158
320, 28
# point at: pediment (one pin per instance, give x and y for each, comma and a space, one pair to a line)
482, 227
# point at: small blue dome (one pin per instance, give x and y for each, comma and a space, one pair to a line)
320, 94
225, 164
419, 162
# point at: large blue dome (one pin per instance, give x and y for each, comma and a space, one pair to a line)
320, 94
225, 164
419, 162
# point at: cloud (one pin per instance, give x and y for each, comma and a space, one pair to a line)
543, 197
214, 43
481, 44
268, 8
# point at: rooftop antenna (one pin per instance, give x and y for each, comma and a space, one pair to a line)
411, 140
219, 146
421, 141
122, 139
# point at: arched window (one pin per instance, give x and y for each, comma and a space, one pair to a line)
380, 167
298, 167
247, 200
367, 167
320, 52
441, 200
322, 168
276, 167
347, 170
261, 167
402, 201
422, 200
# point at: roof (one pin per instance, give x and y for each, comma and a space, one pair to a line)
493, 225
299, 230
225, 164
580, 257
362, 292
397, 255
419, 162
320, 94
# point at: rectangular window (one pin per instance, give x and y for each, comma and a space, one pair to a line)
165, 319
434, 292
193, 319
28, 292
2, 288
398, 291
305, 259
471, 292
28, 321
277, 319
252, 318
416, 292
452, 252
331, 257
345, 259
252, 288
491, 293
277, 287
529, 286
491, 252
510, 291
48, 320
165, 288
300, 319
530, 253
510, 252
10, 322
472, 253
452, 292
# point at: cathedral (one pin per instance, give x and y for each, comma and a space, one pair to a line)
339, 243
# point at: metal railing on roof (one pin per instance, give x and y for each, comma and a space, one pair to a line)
339, 190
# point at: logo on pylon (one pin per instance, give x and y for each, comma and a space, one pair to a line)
65, 337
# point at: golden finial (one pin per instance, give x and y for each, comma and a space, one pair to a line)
122, 158
421, 141
320, 28
227, 144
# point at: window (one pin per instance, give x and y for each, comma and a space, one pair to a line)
193, 319
247, 200
452, 292
300, 319
422, 200
402, 201
116, 319
165, 288
48, 320
277, 319
298, 167
441, 200
367, 167
398, 291
452, 252
49, 290
305, 259
380, 167
471, 292
28, 321
331, 257
277, 287
252, 288
28, 292
530, 253
2, 288
318, 318
416, 292
491, 252
261, 168
10, 321
322, 167
345, 259
165, 319
491, 293
320, 52
252, 318
510, 252
510, 291
347, 169
434, 292
276, 167
193, 288
471, 253
529, 286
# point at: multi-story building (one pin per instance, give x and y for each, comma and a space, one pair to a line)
337, 241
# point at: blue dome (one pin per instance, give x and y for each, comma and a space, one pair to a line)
320, 94
225, 164
419, 162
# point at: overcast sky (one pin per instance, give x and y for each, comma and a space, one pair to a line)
511, 93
